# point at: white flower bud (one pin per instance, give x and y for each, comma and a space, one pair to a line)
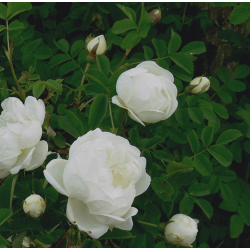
181, 230
34, 206
51, 132
199, 85
97, 46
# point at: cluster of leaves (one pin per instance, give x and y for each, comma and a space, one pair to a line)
198, 159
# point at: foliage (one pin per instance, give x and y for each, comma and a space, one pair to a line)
198, 159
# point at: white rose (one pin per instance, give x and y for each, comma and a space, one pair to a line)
199, 85
147, 92
34, 206
20, 134
181, 230
102, 176
97, 45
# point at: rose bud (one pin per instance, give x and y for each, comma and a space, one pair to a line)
155, 15
97, 46
181, 230
198, 85
34, 206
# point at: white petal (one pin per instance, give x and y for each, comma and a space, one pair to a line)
30, 135
39, 155
116, 100
155, 69
100, 206
151, 116
78, 213
142, 185
135, 71
124, 87
35, 108
16, 128
54, 175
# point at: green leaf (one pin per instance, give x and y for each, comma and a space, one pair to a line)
37, 187
38, 89
186, 204
154, 141
174, 167
17, 8
194, 142
59, 140
71, 124
176, 135
227, 175
2, 27
22, 191
103, 64
181, 73
57, 59
236, 86
26, 223
221, 154
18, 240
134, 137
3, 11
63, 45
241, 71
196, 114
160, 47
130, 40
128, 11
34, 44
228, 136
54, 85
67, 67
123, 26
148, 52
97, 111
98, 77
162, 188
194, 48
199, 189
203, 165
225, 96
76, 47
226, 192
244, 214
7, 192
117, 234
51, 193
205, 206
144, 24
224, 74
236, 226
230, 206
207, 136
15, 25
161, 155
94, 89
4, 215
2, 242
174, 44
239, 15
220, 110
183, 61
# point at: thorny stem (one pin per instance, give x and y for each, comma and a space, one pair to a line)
123, 59
111, 117
82, 81
10, 52
120, 124
146, 223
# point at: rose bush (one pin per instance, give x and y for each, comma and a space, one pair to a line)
181, 230
147, 92
102, 176
20, 134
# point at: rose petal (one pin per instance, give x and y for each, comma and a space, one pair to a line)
151, 116
124, 87
142, 185
155, 69
54, 175
78, 213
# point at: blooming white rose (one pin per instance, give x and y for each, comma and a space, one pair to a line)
34, 206
147, 92
181, 230
102, 176
199, 85
20, 134
97, 45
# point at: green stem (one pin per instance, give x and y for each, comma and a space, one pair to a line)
10, 52
79, 240
217, 91
54, 228
45, 183
120, 124
181, 94
184, 13
111, 117
199, 153
123, 59
82, 81
148, 224
83, 105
